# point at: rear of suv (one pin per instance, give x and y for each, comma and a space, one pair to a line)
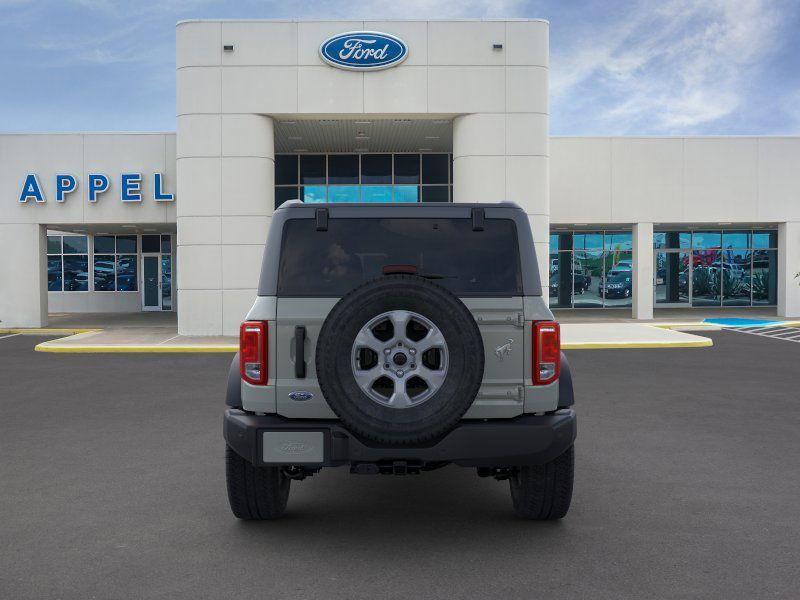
397, 339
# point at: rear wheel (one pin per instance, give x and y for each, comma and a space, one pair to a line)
255, 493
544, 492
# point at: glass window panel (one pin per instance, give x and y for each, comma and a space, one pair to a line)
343, 193
406, 168
706, 277
469, 263
75, 244
618, 241
166, 282
617, 285
588, 241
126, 244
376, 193
435, 193
434, 168
150, 243
54, 273
736, 239
76, 273
285, 169
406, 193
672, 239
565, 241
765, 239
672, 277
104, 244
104, 272
312, 168
343, 168
553, 241
706, 239
561, 279
166, 244
765, 277
376, 168
314, 193
736, 277
54, 244
587, 275
126, 273
283, 194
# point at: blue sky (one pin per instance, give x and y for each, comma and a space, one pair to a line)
617, 68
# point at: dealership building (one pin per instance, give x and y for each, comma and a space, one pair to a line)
389, 111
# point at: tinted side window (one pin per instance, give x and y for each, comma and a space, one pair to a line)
352, 251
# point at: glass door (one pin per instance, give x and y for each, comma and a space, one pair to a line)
151, 282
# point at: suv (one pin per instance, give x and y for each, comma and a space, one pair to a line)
398, 339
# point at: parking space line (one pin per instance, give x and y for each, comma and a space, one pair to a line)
2, 337
790, 334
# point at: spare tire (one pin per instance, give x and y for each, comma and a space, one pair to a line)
400, 360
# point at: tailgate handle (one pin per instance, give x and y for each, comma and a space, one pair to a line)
300, 352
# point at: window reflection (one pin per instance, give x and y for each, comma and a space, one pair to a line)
405, 177
722, 268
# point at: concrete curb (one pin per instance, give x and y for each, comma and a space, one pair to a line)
704, 343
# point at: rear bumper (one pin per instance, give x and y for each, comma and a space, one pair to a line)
524, 440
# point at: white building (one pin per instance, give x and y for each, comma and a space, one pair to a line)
460, 114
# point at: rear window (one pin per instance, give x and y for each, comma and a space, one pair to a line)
352, 251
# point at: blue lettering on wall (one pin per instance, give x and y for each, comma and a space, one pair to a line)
65, 184
158, 195
131, 188
98, 183
31, 190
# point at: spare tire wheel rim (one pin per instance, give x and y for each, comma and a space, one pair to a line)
399, 359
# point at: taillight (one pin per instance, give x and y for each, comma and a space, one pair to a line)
253, 352
546, 352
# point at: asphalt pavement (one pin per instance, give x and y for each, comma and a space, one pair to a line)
687, 486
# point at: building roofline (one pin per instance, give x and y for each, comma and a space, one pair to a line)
463, 20
12, 133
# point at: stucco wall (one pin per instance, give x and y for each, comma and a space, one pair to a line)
675, 180
23, 278
227, 102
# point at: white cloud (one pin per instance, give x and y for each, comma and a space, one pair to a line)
669, 69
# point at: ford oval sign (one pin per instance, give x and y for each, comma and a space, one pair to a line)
363, 50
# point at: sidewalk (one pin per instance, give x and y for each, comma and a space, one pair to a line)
158, 332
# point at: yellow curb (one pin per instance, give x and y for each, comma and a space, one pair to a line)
704, 343
687, 326
98, 349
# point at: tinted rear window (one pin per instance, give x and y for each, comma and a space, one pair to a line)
352, 251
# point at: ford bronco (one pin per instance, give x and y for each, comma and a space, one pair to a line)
397, 339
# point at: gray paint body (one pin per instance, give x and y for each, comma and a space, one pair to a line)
506, 390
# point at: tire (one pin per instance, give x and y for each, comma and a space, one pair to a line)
255, 493
440, 412
544, 492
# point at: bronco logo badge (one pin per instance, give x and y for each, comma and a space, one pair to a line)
504, 350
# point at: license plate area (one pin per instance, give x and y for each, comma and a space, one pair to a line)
292, 447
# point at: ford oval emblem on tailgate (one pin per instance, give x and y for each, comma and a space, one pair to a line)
300, 396
363, 50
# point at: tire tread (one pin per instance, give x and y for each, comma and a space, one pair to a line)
544, 492
255, 493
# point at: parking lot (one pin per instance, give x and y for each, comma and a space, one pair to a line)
687, 486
